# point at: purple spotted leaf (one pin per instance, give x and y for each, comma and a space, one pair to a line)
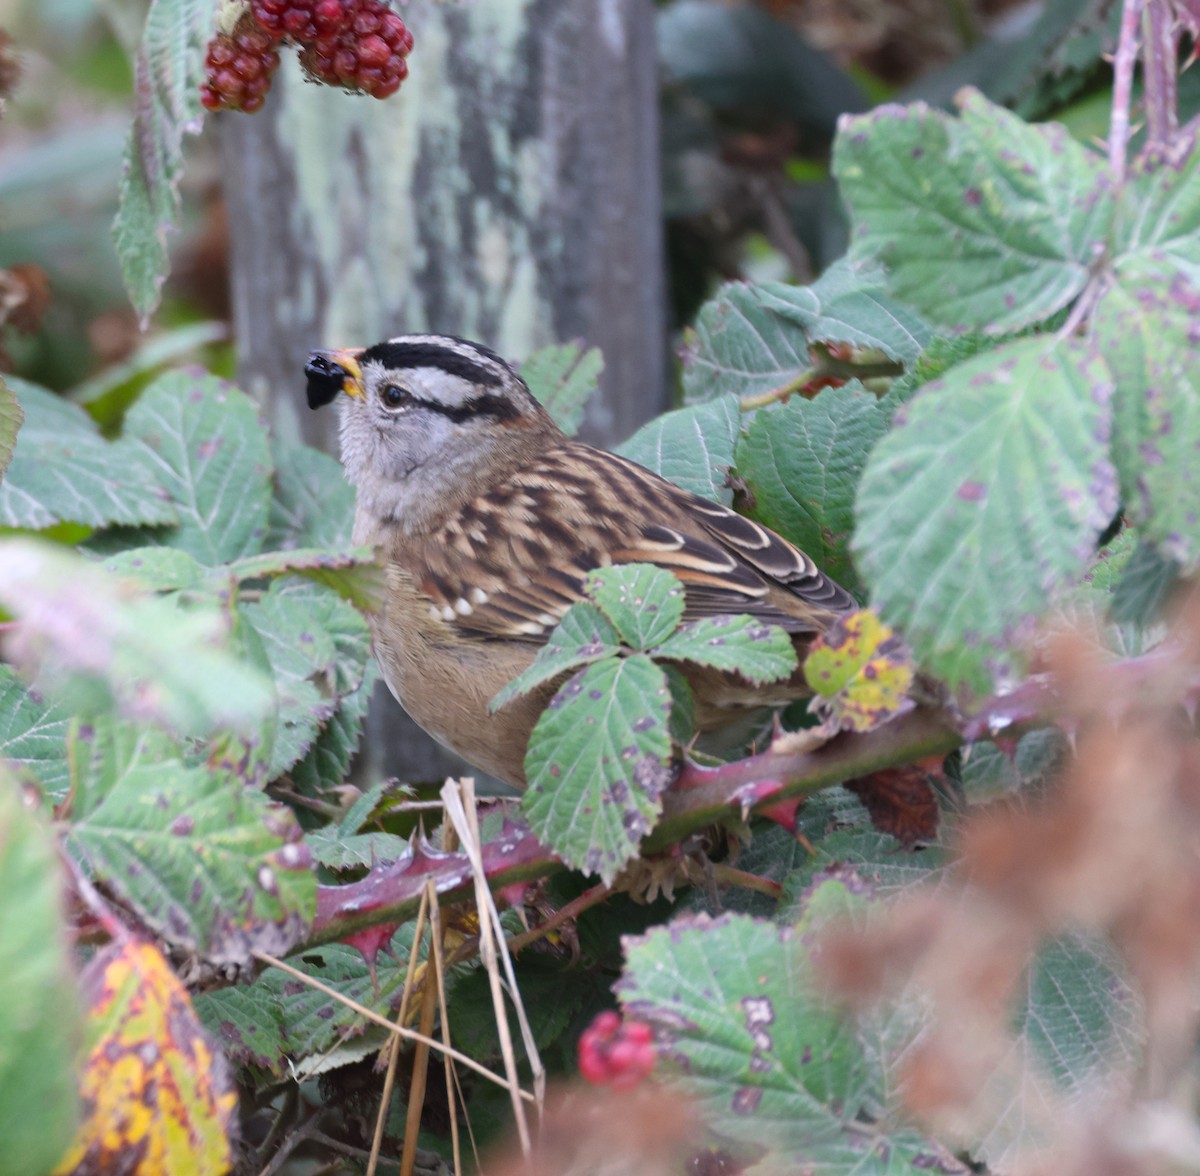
598, 762
985, 501
208, 864
584, 635
317, 645
742, 1029
983, 221
207, 446
759, 653
644, 602
1148, 327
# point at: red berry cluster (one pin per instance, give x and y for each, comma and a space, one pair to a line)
238, 68
616, 1053
359, 45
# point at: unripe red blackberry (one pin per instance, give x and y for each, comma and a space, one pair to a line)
238, 68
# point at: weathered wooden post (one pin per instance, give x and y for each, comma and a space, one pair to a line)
508, 193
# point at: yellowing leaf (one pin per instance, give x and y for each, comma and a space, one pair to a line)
156, 1096
861, 673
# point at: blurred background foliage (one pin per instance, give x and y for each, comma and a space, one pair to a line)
750, 97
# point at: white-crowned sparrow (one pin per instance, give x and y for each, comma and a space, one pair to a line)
489, 518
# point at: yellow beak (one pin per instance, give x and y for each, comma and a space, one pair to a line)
331, 372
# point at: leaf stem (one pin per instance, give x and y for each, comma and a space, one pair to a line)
1123, 63
1160, 53
829, 367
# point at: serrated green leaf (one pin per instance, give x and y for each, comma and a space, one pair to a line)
860, 673
598, 763
318, 646
161, 569
738, 644
62, 470
1111, 561
41, 1021
563, 377
753, 338
33, 734
207, 863
313, 504
583, 636
1144, 586
743, 1031
11, 417
1158, 223
277, 1019
209, 449
644, 602
355, 574
801, 462
988, 495
1078, 1026
327, 761
989, 773
154, 657
169, 69
983, 221
692, 447
1145, 327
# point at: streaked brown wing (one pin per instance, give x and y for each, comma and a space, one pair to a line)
581, 508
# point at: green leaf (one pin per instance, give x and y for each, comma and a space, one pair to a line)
753, 338
988, 773
598, 763
205, 862
1159, 217
313, 504
583, 636
983, 221
41, 1023
162, 569
327, 761
278, 1019
692, 447
210, 451
11, 417
169, 69
33, 734
767, 1060
62, 470
1144, 587
154, 657
563, 377
355, 574
1079, 1027
742, 645
850, 304
644, 602
318, 647
1145, 327
988, 496
801, 462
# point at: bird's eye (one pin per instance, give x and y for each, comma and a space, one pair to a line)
393, 396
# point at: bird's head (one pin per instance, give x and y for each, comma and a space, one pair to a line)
426, 422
